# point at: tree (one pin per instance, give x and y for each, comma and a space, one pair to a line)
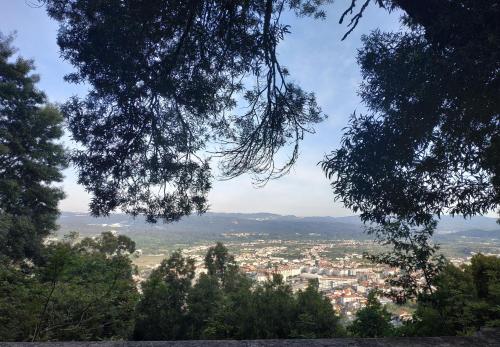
427, 146
30, 158
165, 77
72, 294
429, 143
274, 309
162, 311
108, 243
233, 308
91, 295
413, 253
173, 308
220, 303
373, 320
234, 317
19, 303
315, 317
167, 82
219, 262
465, 299
203, 301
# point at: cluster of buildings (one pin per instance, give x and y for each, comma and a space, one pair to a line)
345, 281
343, 275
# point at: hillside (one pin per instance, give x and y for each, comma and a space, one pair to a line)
212, 226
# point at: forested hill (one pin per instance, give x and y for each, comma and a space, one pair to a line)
262, 225
212, 226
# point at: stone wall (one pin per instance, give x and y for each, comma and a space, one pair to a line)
486, 338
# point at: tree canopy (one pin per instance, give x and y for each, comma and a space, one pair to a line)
373, 320
219, 263
228, 305
75, 293
31, 159
429, 142
165, 78
465, 300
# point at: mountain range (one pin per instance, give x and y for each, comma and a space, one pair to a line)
213, 225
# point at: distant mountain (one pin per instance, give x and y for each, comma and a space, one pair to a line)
448, 224
474, 233
212, 226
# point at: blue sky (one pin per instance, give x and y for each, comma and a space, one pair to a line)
317, 59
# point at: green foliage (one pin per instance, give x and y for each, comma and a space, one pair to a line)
225, 304
219, 263
235, 316
315, 315
271, 309
464, 300
373, 320
108, 243
161, 313
413, 254
19, 303
30, 159
166, 85
204, 300
74, 294
429, 143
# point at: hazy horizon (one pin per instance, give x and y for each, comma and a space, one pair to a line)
280, 214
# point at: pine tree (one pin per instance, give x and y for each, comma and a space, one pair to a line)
373, 320
30, 158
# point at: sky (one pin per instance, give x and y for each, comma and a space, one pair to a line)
318, 61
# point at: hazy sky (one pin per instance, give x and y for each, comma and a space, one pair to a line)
317, 60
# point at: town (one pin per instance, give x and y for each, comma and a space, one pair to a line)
345, 279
